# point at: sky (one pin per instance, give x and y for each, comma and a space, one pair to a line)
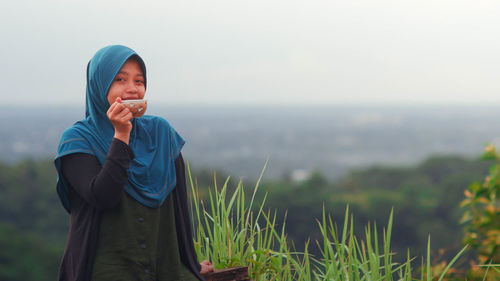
259, 52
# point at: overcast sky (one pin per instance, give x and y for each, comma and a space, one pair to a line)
259, 52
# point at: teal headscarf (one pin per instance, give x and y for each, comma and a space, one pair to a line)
154, 142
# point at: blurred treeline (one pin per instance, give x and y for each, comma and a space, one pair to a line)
425, 198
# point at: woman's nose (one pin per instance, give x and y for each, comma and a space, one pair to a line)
132, 87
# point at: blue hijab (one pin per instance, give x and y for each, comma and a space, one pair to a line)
154, 142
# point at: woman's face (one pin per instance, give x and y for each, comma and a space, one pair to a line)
128, 83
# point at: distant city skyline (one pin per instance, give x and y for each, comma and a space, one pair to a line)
259, 52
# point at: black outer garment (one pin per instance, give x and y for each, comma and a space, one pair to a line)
96, 188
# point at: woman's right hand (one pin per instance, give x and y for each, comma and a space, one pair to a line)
120, 117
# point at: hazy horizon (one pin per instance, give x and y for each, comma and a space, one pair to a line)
239, 140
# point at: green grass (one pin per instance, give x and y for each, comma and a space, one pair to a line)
231, 232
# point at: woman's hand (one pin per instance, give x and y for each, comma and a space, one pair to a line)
120, 117
206, 267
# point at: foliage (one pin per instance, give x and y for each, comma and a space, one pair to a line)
424, 197
25, 257
29, 201
229, 234
482, 214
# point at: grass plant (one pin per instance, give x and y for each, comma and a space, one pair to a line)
229, 232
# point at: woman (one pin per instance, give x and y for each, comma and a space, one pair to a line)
121, 178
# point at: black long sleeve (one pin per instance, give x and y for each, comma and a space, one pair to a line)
183, 221
100, 186
93, 188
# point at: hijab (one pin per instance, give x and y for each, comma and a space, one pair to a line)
155, 144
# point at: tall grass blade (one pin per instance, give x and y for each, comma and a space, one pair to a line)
451, 263
428, 267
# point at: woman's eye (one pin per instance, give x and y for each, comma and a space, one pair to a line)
119, 79
139, 81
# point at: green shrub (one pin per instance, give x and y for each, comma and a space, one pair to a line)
482, 217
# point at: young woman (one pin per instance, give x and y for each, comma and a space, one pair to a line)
121, 178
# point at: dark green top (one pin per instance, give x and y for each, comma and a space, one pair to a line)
139, 243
